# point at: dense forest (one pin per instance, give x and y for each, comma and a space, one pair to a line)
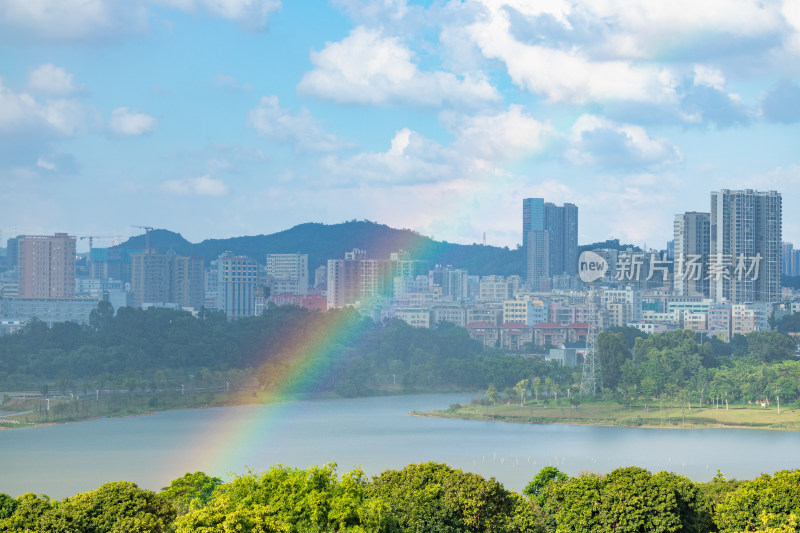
286, 348
426, 497
293, 350
759, 368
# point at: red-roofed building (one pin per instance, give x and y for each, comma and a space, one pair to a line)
483, 332
514, 335
553, 334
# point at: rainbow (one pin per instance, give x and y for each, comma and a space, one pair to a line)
303, 358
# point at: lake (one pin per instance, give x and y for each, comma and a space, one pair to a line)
375, 433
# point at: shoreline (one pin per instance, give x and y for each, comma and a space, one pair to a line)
12, 424
792, 424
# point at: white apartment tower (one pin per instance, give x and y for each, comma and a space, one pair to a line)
237, 277
745, 229
289, 273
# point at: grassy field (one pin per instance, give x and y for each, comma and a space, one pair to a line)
656, 414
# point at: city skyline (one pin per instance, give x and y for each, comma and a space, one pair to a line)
219, 119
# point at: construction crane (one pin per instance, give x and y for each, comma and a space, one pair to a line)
146, 235
93, 237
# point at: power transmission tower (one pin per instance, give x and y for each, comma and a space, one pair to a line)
592, 378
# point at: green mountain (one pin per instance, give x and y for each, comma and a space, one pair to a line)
330, 241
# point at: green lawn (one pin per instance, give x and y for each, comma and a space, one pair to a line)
655, 414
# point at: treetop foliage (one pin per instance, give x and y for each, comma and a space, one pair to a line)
420, 497
337, 351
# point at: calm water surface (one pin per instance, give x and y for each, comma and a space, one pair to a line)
374, 433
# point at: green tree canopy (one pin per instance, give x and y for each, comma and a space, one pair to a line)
197, 487
436, 497
765, 502
290, 500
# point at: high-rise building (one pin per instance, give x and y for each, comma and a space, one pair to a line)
166, 279
12, 252
691, 245
745, 251
111, 263
561, 222
454, 284
210, 281
356, 280
187, 283
150, 278
46, 266
550, 239
790, 260
289, 273
237, 277
343, 282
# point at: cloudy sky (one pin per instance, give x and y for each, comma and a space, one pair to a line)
218, 118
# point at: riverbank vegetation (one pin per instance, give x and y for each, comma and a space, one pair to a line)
671, 379
136, 361
420, 497
670, 413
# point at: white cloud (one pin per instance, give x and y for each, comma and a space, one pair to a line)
45, 164
567, 75
709, 77
370, 68
70, 20
301, 130
202, 186
599, 141
110, 20
483, 144
127, 123
791, 12
411, 159
22, 114
52, 80
655, 27
250, 14
229, 83
507, 135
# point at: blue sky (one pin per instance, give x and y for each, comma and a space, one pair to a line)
219, 118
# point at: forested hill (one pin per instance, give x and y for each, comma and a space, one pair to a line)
323, 241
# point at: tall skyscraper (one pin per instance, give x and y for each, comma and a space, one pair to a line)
46, 266
746, 236
550, 239
237, 277
691, 246
535, 241
562, 224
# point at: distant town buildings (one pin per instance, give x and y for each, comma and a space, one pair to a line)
719, 276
